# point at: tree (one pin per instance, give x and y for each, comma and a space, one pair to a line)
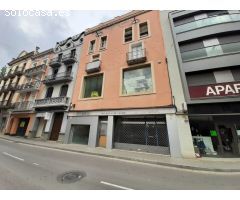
3, 71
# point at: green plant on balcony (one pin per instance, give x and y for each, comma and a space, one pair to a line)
94, 94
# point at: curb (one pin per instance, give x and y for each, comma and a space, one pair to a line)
132, 159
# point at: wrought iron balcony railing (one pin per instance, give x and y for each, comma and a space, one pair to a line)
58, 78
52, 102
69, 58
9, 87
29, 87
6, 104
35, 70
23, 106
55, 62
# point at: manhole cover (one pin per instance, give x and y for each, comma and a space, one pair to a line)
71, 177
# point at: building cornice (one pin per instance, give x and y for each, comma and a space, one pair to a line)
115, 20
28, 55
48, 51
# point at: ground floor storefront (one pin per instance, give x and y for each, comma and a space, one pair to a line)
49, 125
20, 124
215, 129
147, 130
4, 117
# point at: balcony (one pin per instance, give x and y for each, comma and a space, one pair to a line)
94, 66
5, 77
57, 102
29, 87
6, 105
35, 70
211, 51
55, 62
10, 74
23, 106
69, 59
19, 71
136, 57
58, 78
207, 22
9, 87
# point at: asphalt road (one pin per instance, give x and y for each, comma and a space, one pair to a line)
30, 167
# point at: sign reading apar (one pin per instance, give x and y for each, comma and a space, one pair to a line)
215, 90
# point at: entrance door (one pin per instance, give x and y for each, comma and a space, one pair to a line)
227, 139
56, 126
22, 126
102, 139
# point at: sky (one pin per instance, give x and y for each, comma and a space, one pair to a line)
26, 32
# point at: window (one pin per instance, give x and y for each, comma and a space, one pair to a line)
143, 29
136, 52
60, 56
213, 47
103, 43
49, 92
55, 71
137, 81
128, 35
68, 45
95, 57
73, 53
91, 47
69, 70
45, 61
80, 134
64, 90
93, 86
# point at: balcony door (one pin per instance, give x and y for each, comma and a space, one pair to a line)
137, 51
55, 71
64, 90
69, 70
49, 92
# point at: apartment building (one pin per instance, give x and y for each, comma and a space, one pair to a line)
30, 83
10, 84
122, 97
54, 101
203, 48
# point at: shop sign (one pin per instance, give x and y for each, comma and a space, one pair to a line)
215, 90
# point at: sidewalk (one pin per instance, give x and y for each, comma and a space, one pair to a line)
202, 164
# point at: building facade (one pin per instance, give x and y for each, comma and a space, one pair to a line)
28, 88
53, 103
206, 52
122, 97
12, 82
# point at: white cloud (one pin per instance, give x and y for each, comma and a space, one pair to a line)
25, 33
31, 26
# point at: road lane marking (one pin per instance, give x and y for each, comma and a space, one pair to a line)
35, 164
114, 185
7, 154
